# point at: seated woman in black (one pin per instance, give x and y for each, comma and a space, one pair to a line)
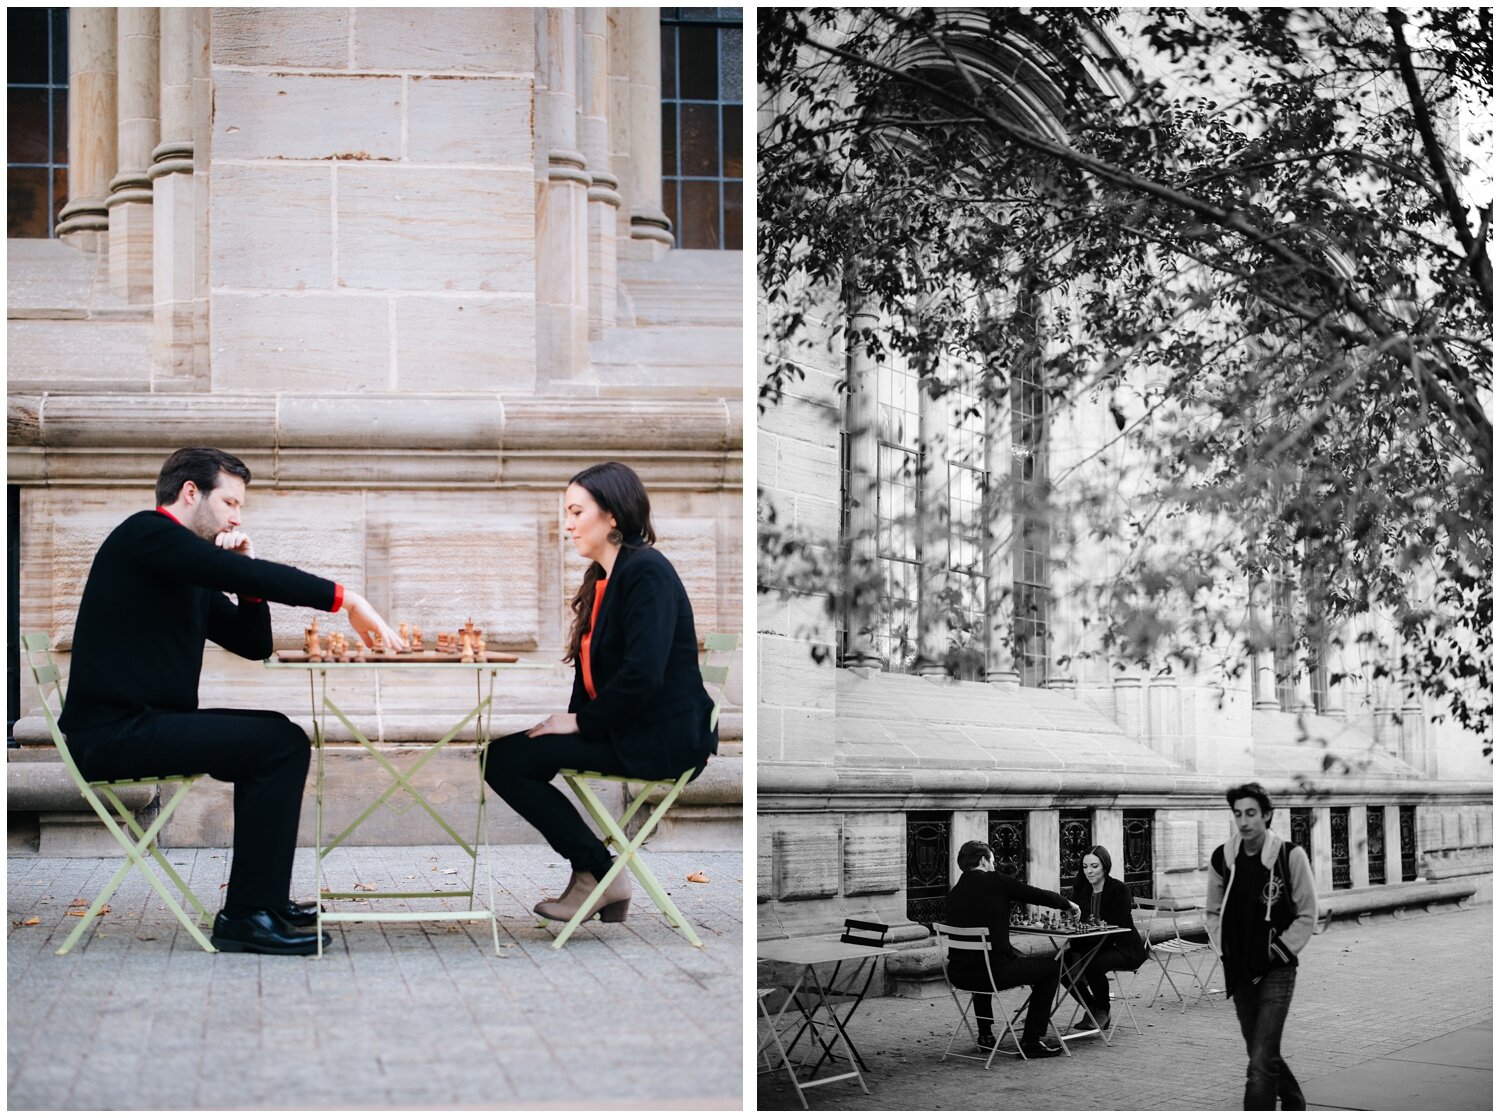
638, 707
1101, 897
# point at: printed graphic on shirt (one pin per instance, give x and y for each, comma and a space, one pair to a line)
1271, 893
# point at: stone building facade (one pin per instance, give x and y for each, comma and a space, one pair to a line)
412, 265
876, 764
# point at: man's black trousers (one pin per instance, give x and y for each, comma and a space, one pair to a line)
1037, 971
261, 752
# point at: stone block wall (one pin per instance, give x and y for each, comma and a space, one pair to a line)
798, 485
373, 214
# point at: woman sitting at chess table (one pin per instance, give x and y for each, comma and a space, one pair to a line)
1106, 899
638, 708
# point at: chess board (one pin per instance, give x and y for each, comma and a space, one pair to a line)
1063, 926
366, 656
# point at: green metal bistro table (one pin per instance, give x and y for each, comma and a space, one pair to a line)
477, 721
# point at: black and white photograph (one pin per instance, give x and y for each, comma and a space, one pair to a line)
1124, 508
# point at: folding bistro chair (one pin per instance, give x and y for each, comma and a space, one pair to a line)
628, 849
852, 991
1118, 995
1190, 953
951, 938
49, 686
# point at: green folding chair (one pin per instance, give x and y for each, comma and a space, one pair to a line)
629, 857
49, 686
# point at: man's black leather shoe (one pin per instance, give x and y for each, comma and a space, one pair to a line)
1037, 1050
264, 933
299, 915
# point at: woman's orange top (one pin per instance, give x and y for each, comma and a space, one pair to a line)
583, 649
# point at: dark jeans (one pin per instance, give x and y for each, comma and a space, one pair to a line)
520, 770
1094, 982
261, 752
1037, 971
1262, 1009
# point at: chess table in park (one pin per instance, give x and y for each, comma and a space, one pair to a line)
1076, 943
475, 726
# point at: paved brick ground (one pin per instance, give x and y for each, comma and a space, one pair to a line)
395, 1015
1365, 995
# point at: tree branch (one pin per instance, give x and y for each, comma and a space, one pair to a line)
1479, 262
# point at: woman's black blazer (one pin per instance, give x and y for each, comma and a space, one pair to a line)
1114, 908
650, 703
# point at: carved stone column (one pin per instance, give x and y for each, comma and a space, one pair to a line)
933, 528
129, 203
562, 199
621, 154
649, 225
999, 544
861, 418
92, 131
604, 199
176, 220
1334, 658
1264, 661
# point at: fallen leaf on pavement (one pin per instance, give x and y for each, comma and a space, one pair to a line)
31, 920
699, 876
364, 888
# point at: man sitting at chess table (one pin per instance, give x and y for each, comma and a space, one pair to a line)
156, 590
982, 899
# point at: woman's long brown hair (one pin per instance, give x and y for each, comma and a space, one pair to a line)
618, 491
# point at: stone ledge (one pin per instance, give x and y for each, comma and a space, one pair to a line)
793, 786
376, 440
45, 786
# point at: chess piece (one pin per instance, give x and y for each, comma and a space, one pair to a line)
416, 639
314, 646
405, 631
466, 649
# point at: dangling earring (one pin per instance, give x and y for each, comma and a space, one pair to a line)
615, 537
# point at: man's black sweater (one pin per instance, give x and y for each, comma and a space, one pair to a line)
154, 593
982, 899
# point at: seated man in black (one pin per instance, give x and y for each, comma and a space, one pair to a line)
982, 898
155, 592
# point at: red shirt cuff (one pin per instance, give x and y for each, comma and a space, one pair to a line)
247, 598
338, 598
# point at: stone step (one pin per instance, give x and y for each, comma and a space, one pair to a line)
685, 287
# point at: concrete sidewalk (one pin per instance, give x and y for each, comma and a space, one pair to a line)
1389, 1015
395, 1015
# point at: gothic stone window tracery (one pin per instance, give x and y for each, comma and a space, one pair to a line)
1007, 837
1075, 834
1375, 838
1138, 862
1408, 819
1338, 820
927, 865
1300, 824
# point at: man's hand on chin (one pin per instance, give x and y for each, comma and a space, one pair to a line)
235, 540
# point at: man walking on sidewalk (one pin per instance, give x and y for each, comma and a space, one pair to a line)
1262, 907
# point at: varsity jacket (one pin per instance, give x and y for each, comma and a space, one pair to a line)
1288, 907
